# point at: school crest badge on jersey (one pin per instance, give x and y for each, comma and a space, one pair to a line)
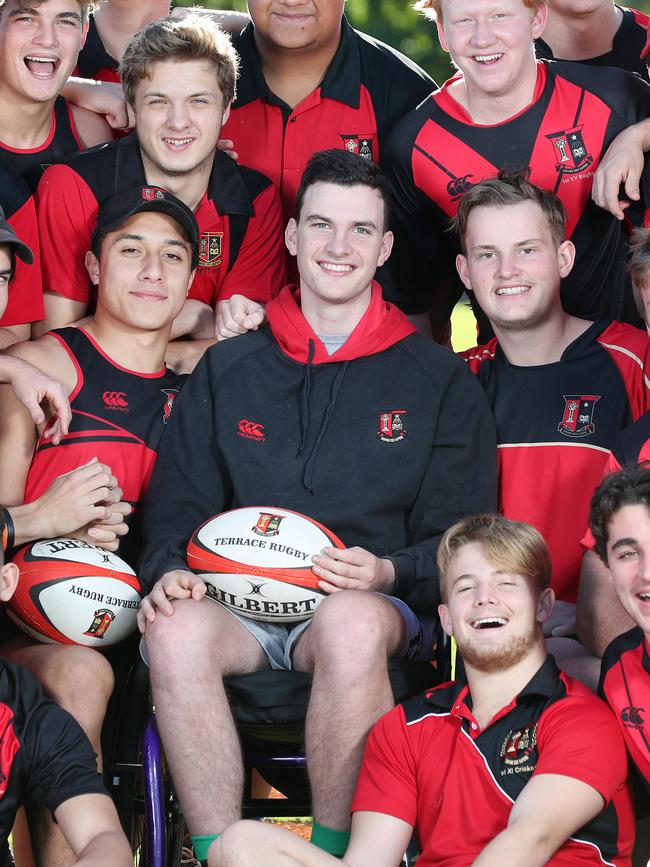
210, 248
363, 145
170, 396
570, 151
578, 418
391, 426
518, 751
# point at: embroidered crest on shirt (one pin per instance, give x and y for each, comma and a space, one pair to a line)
578, 418
391, 426
570, 151
210, 247
359, 144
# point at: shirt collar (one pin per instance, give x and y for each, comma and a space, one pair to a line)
342, 80
543, 684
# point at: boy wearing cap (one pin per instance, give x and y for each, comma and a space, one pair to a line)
144, 252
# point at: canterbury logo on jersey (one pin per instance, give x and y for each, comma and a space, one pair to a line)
251, 430
115, 400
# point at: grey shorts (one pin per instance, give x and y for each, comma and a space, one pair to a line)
278, 641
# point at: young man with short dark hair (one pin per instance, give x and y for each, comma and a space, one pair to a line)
487, 770
369, 429
620, 522
145, 249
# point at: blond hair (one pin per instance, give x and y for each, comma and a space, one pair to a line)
512, 546
195, 37
432, 9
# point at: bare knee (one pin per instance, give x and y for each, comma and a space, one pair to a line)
242, 844
81, 681
355, 625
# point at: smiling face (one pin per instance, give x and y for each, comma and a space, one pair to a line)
291, 24
491, 42
339, 242
179, 112
494, 615
39, 46
628, 558
513, 265
143, 273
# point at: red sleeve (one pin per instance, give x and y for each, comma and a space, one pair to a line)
629, 348
259, 271
26, 289
66, 209
580, 738
387, 780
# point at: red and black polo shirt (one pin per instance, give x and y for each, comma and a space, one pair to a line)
436, 153
44, 755
563, 417
366, 89
627, 46
429, 763
625, 686
239, 217
25, 302
62, 140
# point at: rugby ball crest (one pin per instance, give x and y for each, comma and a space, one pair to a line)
258, 561
72, 592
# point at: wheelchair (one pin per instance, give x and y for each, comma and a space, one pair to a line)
269, 708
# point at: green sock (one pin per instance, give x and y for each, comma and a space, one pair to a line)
202, 843
330, 840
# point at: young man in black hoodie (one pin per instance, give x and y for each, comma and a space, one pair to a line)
368, 428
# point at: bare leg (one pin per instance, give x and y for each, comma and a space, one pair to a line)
189, 654
252, 844
80, 680
347, 646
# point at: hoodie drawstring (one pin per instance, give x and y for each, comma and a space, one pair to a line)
304, 399
308, 471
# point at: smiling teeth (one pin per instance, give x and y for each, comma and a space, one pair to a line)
41, 59
644, 596
178, 141
512, 290
499, 621
331, 267
486, 58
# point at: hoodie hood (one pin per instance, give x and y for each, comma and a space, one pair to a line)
381, 326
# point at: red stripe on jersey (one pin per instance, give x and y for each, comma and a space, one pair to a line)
629, 349
445, 183
573, 184
9, 746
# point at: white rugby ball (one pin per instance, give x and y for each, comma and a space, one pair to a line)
259, 559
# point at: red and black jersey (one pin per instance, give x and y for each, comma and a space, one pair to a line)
44, 755
367, 88
556, 424
94, 60
633, 445
63, 140
436, 153
240, 219
625, 686
118, 416
25, 302
627, 46
429, 763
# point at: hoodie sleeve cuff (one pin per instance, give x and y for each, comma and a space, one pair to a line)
404, 575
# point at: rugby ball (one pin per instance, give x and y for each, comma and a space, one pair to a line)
258, 561
71, 592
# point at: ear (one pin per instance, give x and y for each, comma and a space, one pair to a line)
290, 237
386, 247
84, 33
441, 35
545, 605
463, 271
8, 581
539, 20
445, 619
92, 266
566, 254
226, 114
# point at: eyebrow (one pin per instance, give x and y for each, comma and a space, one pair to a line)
516, 244
622, 543
30, 10
189, 95
367, 223
129, 236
